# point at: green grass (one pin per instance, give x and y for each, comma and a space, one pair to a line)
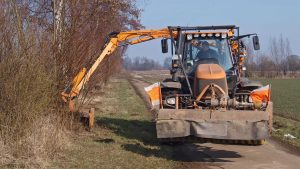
285, 93
124, 136
286, 126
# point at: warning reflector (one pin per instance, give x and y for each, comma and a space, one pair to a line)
261, 94
154, 93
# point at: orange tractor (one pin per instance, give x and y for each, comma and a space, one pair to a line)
206, 95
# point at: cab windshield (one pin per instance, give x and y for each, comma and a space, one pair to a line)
199, 51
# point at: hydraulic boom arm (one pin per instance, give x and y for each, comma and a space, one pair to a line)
115, 40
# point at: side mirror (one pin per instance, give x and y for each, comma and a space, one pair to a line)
255, 40
164, 45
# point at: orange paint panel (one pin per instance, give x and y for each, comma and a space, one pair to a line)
261, 95
154, 93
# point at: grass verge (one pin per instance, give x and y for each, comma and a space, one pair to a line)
285, 126
124, 136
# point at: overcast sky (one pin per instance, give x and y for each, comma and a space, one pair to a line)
268, 18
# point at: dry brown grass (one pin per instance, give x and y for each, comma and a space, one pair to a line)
30, 129
36, 148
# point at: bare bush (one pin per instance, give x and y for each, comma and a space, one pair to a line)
41, 49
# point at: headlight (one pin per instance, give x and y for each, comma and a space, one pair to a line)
171, 100
250, 100
189, 37
217, 35
203, 35
175, 57
210, 35
224, 35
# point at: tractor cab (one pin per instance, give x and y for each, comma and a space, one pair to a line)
219, 47
207, 50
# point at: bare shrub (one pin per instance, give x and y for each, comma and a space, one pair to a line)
30, 132
42, 47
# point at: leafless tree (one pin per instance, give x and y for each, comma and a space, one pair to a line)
265, 65
293, 63
279, 50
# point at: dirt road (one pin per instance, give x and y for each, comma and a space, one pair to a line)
271, 155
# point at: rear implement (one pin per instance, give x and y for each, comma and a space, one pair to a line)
214, 124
